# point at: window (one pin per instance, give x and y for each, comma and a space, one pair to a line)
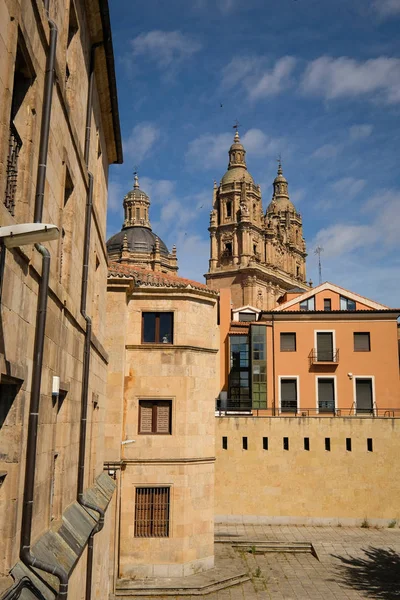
157, 328
328, 444
348, 444
258, 367
369, 445
247, 316
265, 443
23, 79
155, 416
326, 394
229, 209
286, 443
297, 271
239, 376
364, 395
307, 444
288, 395
362, 342
8, 393
72, 30
152, 512
288, 342
224, 443
325, 346
347, 304
327, 304
308, 304
244, 443
228, 249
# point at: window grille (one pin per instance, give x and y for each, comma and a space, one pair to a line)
14, 147
152, 512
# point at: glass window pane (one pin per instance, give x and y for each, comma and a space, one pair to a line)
166, 328
149, 327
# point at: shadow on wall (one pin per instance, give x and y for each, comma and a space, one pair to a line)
378, 574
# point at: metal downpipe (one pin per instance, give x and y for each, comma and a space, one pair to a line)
30, 466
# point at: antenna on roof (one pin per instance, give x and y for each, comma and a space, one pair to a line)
318, 251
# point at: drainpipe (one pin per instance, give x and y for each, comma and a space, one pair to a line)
27, 511
45, 125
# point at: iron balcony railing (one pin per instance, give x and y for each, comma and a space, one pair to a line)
233, 405
324, 356
14, 147
291, 409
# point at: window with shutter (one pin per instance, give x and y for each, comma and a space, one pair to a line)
364, 400
288, 342
288, 395
327, 304
152, 512
155, 416
325, 346
326, 395
362, 342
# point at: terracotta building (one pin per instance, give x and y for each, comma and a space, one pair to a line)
257, 256
162, 339
59, 131
326, 351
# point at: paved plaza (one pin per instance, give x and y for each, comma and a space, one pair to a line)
351, 563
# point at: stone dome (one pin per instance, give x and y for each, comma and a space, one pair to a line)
139, 240
236, 174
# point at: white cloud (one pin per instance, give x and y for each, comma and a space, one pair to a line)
164, 47
349, 187
258, 78
141, 141
115, 196
327, 151
360, 132
159, 190
346, 77
387, 8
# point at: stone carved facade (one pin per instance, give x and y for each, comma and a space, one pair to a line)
258, 256
136, 244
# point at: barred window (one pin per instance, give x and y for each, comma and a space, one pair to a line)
152, 512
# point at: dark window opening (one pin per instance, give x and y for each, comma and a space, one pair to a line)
362, 342
255, 249
265, 443
327, 304
297, 271
348, 444
244, 443
286, 443
157, 328
369, 445
325, 346
228, 249
326, 395
72, 23
68, 187
328, 444
152, 512
23, 79
224, 443
8, 393
364, 398
155, 416
288, 395
306, 443
288, 342
229, 209
137, 214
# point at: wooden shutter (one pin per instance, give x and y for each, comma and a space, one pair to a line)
326, 394
361, 342
363, 395
288, 394
324, 346
163, 418
288, 342
146, 417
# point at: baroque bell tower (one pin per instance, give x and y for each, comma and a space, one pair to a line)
258, 256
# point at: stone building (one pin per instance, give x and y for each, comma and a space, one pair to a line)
162, 339
258, 256
136, 243
59, 131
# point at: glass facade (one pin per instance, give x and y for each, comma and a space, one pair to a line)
239, 380
258, 366
247, 376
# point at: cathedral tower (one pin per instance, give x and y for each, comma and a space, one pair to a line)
258, 256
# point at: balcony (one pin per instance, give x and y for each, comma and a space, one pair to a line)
14, 147
323, 357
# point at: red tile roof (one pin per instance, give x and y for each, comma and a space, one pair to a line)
148, 278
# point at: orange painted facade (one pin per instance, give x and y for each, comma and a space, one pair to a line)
357, 374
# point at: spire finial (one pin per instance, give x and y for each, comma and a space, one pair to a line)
236, 126
136, 180
279, 161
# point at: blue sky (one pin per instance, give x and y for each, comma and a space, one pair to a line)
317, 81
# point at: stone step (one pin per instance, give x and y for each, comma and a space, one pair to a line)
179, 587
264, 546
